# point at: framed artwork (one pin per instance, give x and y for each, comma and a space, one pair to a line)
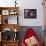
5, 12
30, 13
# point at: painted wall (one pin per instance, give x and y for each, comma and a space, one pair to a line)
27, 4
32, 4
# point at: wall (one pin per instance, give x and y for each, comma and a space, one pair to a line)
27, 4
31, 4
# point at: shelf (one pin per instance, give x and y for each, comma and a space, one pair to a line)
10, 26
7, 16
7, 12
5, 8
11, 41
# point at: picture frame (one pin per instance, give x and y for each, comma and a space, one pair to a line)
30, 13
13, 12
5, 12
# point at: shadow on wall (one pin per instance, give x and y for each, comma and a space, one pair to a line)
37, 29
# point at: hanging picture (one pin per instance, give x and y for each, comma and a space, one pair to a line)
30, 13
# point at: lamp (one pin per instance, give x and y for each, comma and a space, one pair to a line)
15, 3
15, 30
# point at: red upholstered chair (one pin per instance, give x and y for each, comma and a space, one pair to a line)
29, 33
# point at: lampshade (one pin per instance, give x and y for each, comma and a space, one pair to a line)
15, 30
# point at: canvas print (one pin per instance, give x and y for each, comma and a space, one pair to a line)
30, 13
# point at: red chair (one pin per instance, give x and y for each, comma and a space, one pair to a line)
29, 33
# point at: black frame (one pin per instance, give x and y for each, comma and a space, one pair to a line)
30, 13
